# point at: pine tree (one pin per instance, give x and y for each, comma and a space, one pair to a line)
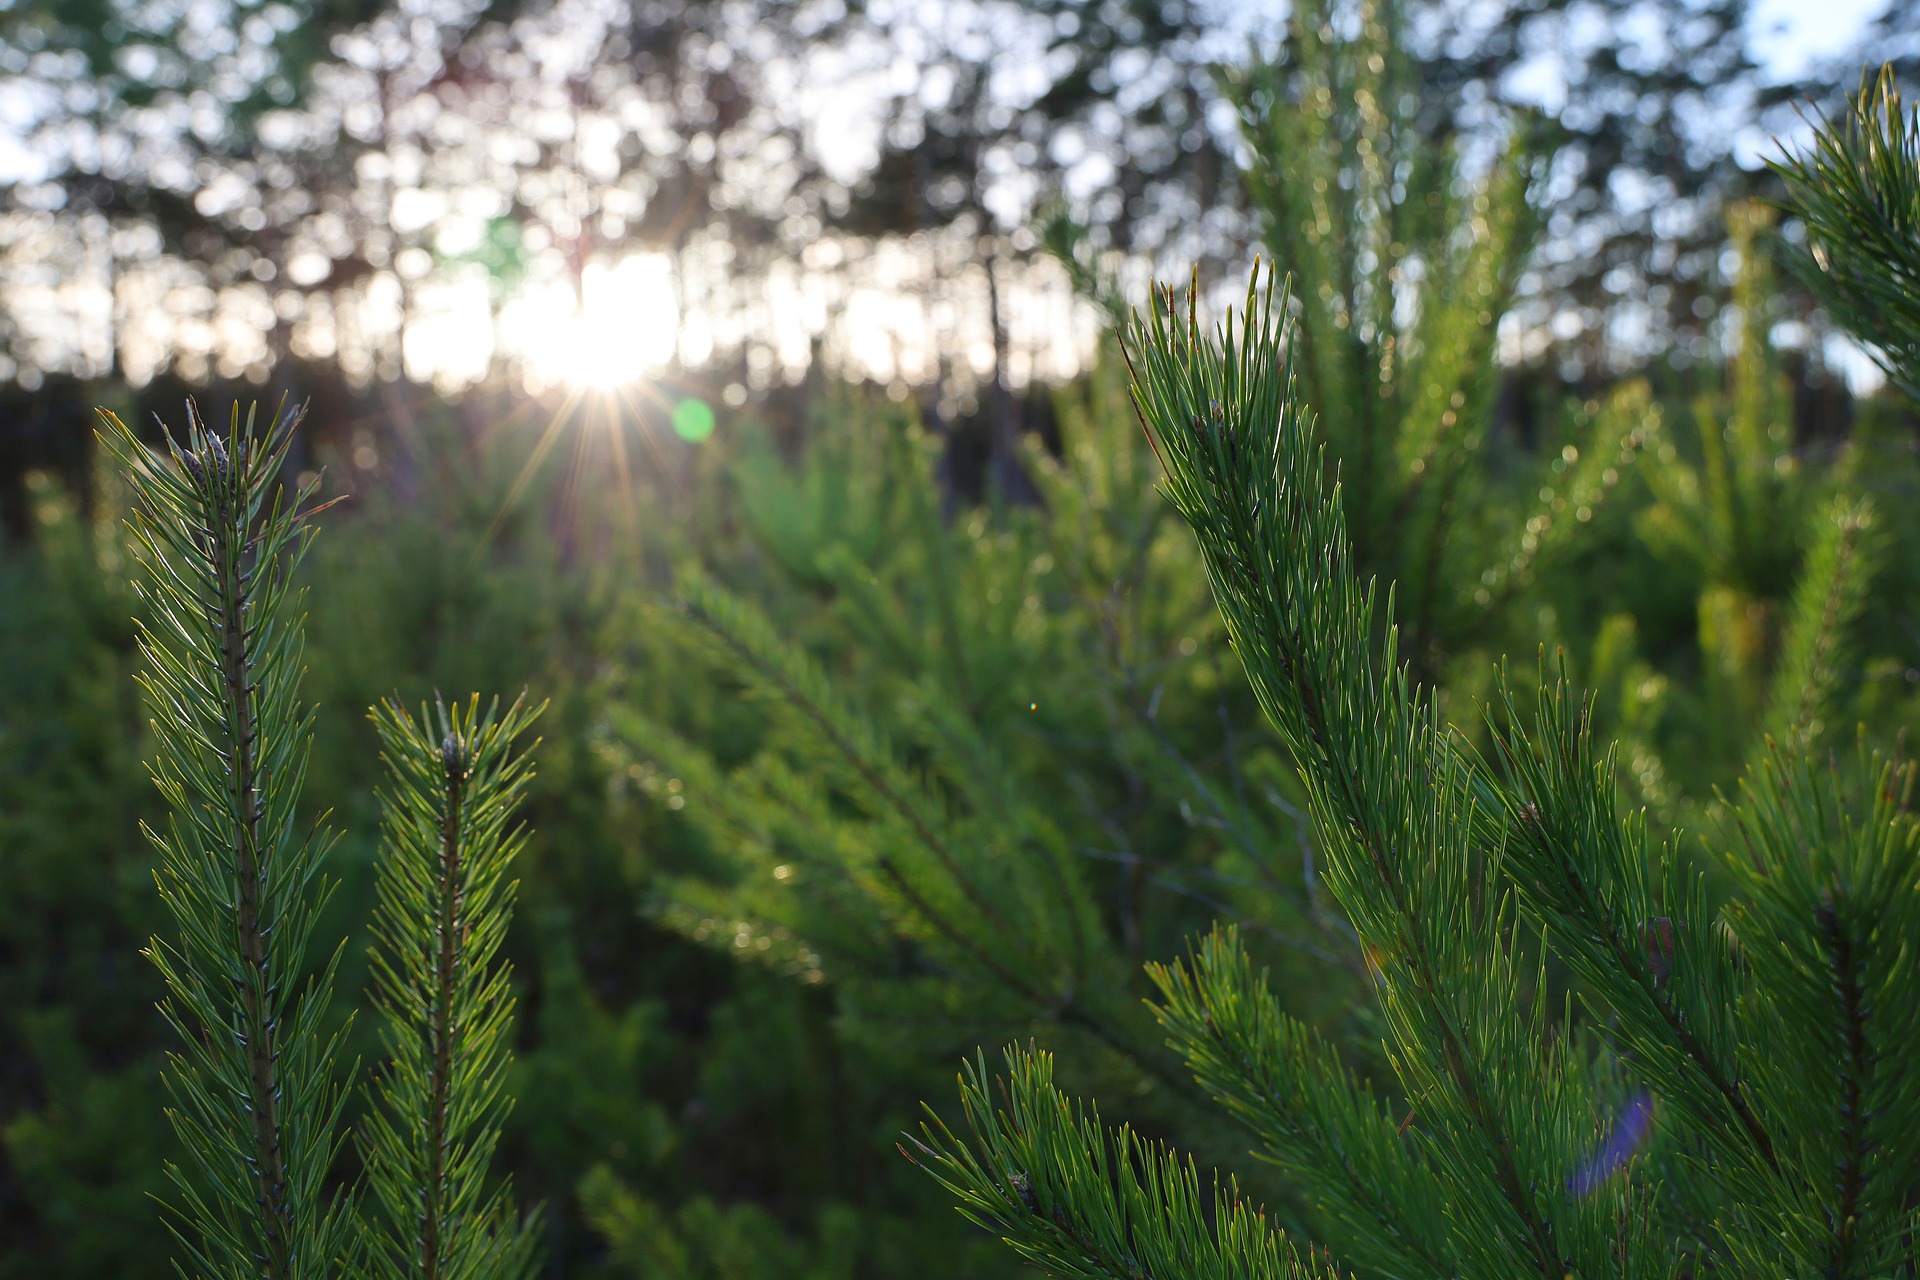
1783, 553
904, 853
1603, 1070
896, 826
1858, 193
256, 1095
441, 915
258, 1101
1406, 265
873, 834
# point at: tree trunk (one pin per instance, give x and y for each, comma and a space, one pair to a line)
1008, 475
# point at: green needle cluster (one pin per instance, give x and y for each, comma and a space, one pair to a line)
441, 915
258, 1102
1076, 1200
1858, 192
256, 1098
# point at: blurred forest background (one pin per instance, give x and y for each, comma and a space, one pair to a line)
735, 376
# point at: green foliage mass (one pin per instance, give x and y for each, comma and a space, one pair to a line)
948, 781
665, 1094
664, 1073
1620, 1053
1406, 266
1764, 1032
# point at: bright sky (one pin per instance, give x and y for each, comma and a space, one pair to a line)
1789, 36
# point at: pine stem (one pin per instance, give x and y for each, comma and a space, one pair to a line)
1845, 965
445, 979
1632, 960
440, 917
226, 544
1539, 1229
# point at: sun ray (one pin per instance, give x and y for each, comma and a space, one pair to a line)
549, 436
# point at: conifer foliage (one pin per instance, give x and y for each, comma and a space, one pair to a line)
256, 1094
1138, 1210
1784, 554
1406, 266
257, 1091
1724, 1089
1858, 191
448, 1007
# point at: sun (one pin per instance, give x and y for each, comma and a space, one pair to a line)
625, 326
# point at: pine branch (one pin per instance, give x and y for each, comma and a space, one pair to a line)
1620, 432
748, 639
256, 1102
1074, 1199
1066, 240
1404, 266
996, 923
1830, 884
1831, 595
1858, 191
442, 910
1377, 1194
1584, 875
785, 872
957, 859
1402, 818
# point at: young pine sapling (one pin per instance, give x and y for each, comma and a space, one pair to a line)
258, 1102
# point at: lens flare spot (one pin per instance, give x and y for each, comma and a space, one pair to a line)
1630, 1132
693, 420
